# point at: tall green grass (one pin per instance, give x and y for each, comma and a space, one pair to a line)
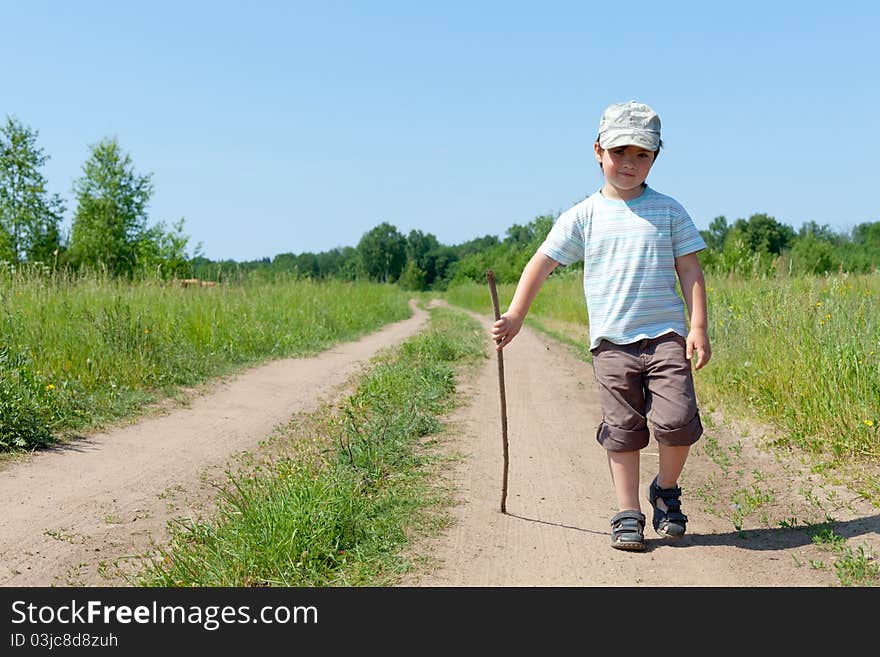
801, 353
556, 300
77, 352
334, 503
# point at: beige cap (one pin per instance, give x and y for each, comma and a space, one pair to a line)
629, 124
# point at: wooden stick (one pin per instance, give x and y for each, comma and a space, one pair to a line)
490, 276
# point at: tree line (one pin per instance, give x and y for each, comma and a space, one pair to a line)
415, 261
761, 245
758, 246
111, 232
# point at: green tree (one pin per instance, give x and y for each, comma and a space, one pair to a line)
6, 252
340, 262
382, 253
45, 243
111, 215
163, 252
540, 227
763, 234
476, 244
867, 234
307, 265
823, 233
419, 247
345, 263
29, 216
738, 256
285, 262
861, 252
812, 255
439, 264
520, 235
412, 277
717, 233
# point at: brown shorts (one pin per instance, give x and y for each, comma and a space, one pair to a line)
646, 380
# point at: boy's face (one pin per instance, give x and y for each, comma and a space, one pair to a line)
625, 169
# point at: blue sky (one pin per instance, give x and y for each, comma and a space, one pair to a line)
275, 127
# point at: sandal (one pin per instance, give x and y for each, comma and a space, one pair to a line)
668, 519
628, 530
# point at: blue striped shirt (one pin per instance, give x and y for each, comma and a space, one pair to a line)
628, 249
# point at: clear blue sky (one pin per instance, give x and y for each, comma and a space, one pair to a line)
278, 127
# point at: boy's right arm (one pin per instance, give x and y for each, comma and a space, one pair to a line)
533, 276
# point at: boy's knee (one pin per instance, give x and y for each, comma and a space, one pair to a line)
680, 434
615, 439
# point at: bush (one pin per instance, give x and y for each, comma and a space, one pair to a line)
412, 277
21, 424
812, 256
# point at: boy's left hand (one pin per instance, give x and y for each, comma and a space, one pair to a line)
698, 341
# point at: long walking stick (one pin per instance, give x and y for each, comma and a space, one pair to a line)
490, 276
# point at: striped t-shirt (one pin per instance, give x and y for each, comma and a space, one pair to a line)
629, 250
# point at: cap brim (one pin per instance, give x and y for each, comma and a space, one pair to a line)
650, 141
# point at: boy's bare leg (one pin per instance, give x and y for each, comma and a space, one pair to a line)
625, 475
672, 460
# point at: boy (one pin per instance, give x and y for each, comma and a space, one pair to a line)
633, 242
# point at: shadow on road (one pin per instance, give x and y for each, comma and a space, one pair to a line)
779, 538
558, 524
70, 443
783, 538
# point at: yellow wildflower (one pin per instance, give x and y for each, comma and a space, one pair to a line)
818, 304
870, 423
50, 387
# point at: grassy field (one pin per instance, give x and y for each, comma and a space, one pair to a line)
332, 500
805, 353
800, 353
77, 353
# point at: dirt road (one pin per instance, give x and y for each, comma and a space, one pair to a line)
560, 500
72, 512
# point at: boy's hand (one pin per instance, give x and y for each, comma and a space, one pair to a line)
699, 341
504, 329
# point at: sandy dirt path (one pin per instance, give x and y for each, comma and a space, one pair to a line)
71, 512
560, 500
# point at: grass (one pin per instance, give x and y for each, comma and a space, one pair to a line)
558, 310
756, 497
803, 356
77, 353
561, 298
333, 500
853, 567
803, 353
